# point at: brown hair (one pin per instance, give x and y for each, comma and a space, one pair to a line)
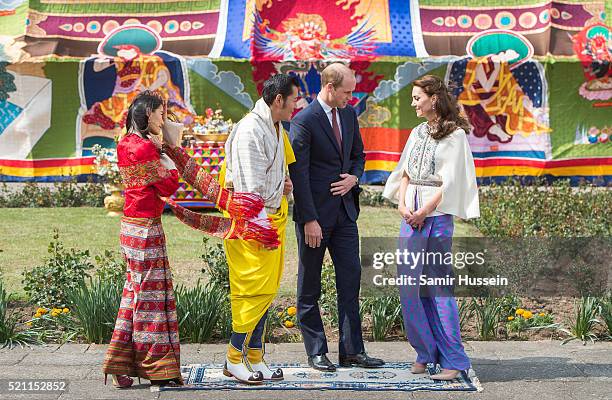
449, 115
334, 74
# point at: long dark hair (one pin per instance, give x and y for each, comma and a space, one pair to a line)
138, 114
449, 115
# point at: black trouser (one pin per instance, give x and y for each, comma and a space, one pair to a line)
342, 240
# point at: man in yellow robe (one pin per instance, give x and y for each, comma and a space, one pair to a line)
257, 155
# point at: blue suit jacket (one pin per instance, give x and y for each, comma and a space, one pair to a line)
320, 161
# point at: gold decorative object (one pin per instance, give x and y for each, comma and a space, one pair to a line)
212, 137
211, 127
115, 201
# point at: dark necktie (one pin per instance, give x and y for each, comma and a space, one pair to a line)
336, 128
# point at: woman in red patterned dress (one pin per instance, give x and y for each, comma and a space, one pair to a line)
145, 341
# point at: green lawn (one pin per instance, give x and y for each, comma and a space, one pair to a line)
26, 233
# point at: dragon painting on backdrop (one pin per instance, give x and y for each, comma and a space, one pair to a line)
129, 61
504, 94
302, 38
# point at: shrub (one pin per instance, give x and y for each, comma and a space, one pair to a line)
517, 210
465, 311
55, 325
522, 320
46, 285
111, 266
94, 307
217, 270
328, 302
198, 311
217, 267
287, 318
12, 333
584, 320
274, 320
64, 194
606, 313
371, 196
385, 312
488, 312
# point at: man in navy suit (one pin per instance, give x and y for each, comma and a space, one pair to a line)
329, 161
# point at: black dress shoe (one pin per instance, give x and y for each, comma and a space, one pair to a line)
320, 362
360, 360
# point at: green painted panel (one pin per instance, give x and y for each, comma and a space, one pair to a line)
568, 109
14, 25
126, 8
204, 94
60, 139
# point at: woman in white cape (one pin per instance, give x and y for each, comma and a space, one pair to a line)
434, 181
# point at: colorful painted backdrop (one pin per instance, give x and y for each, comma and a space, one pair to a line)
533, 76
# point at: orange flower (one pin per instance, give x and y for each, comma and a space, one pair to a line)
527, 314
292, 311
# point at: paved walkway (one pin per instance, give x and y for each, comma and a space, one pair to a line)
507, 370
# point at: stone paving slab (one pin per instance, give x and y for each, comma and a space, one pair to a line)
507, 370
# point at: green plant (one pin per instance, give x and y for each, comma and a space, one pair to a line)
62, 194
328, 300
522, 320
606, 312
106, 164
198, 311
217, 267
466, 312
584, 320
510, 303
516, 209
488, 312
110, 266
12, 333
274, 320
55, 325
386, 313
372, 196
46, 285
224, 324
94, 307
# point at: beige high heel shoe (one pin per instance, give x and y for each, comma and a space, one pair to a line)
418, 368
446, 375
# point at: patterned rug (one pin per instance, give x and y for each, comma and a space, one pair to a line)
390, 377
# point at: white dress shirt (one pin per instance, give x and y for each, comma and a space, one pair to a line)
328, 112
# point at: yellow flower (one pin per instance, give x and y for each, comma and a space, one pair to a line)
292, 311
280, 314
28, 323
65, 311
289, 324
41, 311
520, 311
37, 315
54, 314
510, 318
527, 314
542, 314
56, 310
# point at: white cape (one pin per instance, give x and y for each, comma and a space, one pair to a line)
454, 165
